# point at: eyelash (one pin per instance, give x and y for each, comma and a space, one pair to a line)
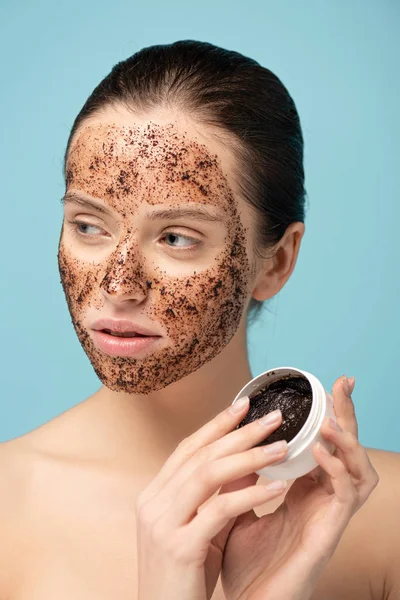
75, 224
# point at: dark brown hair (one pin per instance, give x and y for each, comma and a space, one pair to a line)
234, 94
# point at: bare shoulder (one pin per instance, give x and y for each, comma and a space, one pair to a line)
21, 491
15, 462
14, 483
384, 508
365, 564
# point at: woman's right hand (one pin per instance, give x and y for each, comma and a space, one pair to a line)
181, 542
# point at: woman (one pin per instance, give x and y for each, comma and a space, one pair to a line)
183, 212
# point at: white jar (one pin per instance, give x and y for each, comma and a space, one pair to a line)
299, 458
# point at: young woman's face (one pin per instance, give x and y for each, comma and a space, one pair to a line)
184, 276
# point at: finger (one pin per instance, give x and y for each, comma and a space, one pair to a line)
249, 435
355, 456
209, 477
344, 406
316, 475
344, 409
342, 483
233, 442
239, 484
222, 424
351, 450
210, 521
242, 439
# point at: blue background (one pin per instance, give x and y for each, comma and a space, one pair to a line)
338, 312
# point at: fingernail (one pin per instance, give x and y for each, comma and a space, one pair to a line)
351, 381
239, 405
276, 485
270, 418
346, 386
276, 447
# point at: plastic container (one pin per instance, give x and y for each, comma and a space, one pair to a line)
299, 459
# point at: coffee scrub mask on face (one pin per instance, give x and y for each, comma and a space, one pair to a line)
199, 310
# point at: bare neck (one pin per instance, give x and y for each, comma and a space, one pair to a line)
132, 430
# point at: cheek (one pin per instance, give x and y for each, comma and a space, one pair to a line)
209, 303
79, 280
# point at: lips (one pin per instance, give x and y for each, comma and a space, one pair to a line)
123, 328
125, 334
115, 345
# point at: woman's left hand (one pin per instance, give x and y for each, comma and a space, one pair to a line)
282, 555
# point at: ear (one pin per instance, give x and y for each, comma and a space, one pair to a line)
276, 270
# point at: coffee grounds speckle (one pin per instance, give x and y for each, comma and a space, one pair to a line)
292, 395
197, 310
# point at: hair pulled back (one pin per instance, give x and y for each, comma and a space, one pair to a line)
235, 95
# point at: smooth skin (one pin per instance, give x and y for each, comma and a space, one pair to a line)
71, 490
286, 551
175, 538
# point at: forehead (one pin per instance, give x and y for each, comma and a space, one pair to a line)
156, 162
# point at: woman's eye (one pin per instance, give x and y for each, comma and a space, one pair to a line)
173, 241
82, 229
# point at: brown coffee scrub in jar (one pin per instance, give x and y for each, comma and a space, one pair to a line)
196, 307
292, 395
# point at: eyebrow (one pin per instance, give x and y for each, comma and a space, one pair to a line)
73, 198
199, 213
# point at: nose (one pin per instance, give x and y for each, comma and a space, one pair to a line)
125, 277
